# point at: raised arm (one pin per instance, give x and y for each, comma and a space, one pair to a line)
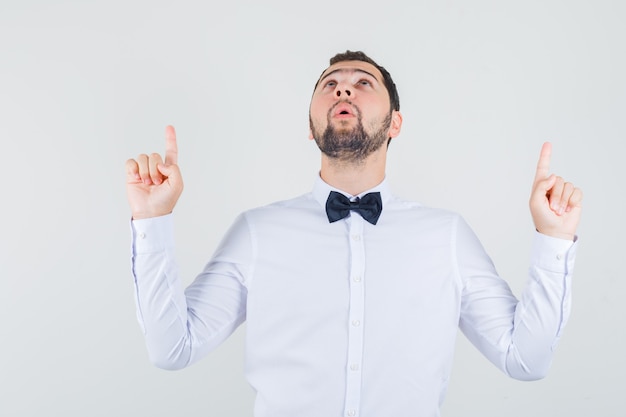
179, 325
520, 336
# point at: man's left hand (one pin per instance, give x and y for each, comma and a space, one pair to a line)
555, 204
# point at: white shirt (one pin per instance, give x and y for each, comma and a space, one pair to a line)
347, 318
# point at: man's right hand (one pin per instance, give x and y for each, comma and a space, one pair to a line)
153, 185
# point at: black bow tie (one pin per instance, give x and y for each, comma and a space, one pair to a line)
369, 206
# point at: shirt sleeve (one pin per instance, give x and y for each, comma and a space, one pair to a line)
518, 336
182, 325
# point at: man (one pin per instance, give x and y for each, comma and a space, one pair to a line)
351, 310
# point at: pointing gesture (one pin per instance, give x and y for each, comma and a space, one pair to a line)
153, 185
555, 205
171, 147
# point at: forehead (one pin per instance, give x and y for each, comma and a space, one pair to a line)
352, 66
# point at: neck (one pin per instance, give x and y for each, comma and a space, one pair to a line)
354, 177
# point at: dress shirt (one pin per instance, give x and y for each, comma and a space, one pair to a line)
349, 319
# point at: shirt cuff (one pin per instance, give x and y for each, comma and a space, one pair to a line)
553, 254
152, 235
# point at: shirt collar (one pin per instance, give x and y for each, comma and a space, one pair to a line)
321, 190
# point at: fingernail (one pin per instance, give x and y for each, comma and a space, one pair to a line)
147, 181
157, 181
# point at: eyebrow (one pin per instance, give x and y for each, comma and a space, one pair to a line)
347, 70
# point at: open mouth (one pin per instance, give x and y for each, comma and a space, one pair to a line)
343, 110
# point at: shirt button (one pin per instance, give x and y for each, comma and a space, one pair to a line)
354, 367
357, 278
142, 235
559, 256
356, 323
351, 413
356, 238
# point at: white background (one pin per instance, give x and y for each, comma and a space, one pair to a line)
86, 85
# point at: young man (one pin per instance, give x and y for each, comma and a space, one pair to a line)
352, 296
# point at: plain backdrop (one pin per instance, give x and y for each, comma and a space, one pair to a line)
85, 85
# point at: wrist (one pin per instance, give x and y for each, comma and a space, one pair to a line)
558, 235
148, 215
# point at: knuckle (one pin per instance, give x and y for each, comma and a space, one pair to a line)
579, 193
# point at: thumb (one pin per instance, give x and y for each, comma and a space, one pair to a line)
172, 172
542, 187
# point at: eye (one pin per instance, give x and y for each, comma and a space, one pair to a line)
330, 84
364, 83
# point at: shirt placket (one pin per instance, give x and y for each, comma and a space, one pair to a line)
355, 317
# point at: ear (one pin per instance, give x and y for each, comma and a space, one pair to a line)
396, 124
311, 134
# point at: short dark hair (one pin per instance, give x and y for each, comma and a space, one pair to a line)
394, 99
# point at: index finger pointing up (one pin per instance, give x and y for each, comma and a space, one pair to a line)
543, 166
171, 147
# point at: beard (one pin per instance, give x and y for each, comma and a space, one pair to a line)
351, 145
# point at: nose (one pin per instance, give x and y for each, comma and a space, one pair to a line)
344, 90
